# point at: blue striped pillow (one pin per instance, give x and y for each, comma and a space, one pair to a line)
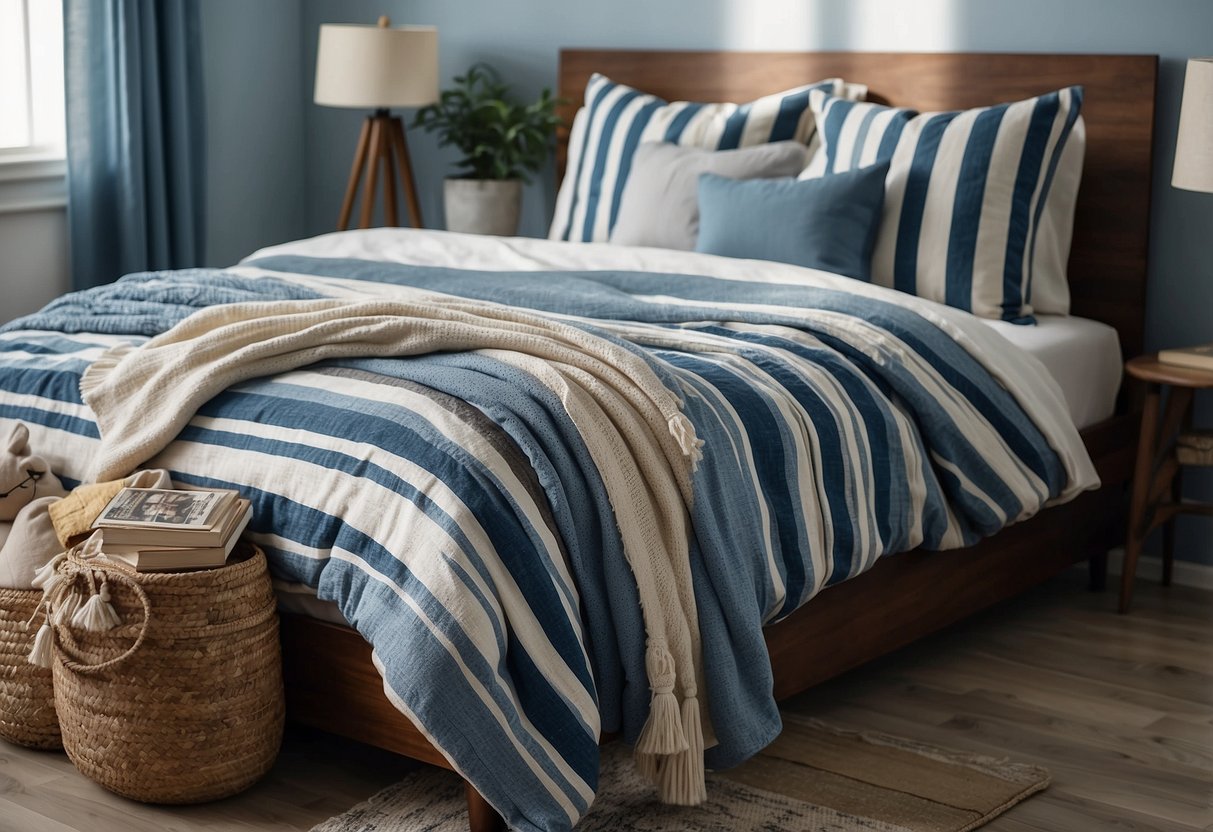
616, 118
979, 204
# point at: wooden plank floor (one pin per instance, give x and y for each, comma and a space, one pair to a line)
1120, 709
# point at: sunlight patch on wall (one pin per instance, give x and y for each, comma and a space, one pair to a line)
768, 24
871, 25
894, 25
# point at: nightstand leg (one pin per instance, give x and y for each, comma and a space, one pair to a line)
1141, 491
1176, 495
1168, 531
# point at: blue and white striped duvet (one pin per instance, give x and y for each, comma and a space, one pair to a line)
449, 506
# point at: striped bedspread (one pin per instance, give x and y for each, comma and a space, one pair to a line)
449, 506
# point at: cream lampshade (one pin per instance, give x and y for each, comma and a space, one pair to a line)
1194, 147
1193, 171
378, 67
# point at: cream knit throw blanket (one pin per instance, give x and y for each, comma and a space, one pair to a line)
643, 446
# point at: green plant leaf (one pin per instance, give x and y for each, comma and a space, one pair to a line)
499, 136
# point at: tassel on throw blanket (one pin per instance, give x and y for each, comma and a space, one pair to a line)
649, 502
642, 444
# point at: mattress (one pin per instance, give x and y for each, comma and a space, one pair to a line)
1082, 356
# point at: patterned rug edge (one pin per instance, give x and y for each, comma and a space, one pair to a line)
393, 810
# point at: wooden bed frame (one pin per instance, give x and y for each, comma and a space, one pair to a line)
331, 682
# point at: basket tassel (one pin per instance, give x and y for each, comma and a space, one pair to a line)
44, 647
66, 609
92, 548
47, 577
97, 615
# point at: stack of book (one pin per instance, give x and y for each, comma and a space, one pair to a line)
1194, 358
161, 530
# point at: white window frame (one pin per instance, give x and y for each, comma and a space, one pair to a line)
32, 176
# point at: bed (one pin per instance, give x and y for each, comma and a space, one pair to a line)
334, 682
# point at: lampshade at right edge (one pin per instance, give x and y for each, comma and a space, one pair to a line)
1194, 147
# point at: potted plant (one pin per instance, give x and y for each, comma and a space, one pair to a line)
502, 142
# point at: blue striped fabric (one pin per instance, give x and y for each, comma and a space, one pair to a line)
970, 197
616, 118
452, 510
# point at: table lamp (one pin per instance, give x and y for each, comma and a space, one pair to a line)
1193, 169
378, 67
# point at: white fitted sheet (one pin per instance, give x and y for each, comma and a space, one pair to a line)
1082, 355
300, 599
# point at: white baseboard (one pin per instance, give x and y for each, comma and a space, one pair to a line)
1185, 573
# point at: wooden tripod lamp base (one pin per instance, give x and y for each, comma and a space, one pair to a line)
378, 67
381, 147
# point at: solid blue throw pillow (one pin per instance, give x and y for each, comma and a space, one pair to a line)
828, 223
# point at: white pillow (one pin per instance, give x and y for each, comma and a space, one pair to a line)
660, 203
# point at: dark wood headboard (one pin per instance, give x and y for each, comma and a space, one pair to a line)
1112, 225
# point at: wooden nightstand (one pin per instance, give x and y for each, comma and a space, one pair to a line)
1157, 475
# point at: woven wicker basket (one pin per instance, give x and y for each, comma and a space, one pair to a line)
27, 698
1195, 448
181, 703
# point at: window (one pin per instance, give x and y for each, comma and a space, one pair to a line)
31, 79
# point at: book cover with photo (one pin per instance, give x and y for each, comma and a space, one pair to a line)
157, 507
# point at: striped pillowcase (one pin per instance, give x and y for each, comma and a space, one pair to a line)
979, 204
616, 118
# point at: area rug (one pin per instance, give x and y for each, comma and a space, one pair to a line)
814, 778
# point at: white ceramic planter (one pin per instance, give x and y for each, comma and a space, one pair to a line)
483, 206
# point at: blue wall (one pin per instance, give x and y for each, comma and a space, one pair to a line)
252, 59
522, 38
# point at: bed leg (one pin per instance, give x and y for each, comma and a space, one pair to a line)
1097, 566
481, 816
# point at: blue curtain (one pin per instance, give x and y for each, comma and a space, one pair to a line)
135, 137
